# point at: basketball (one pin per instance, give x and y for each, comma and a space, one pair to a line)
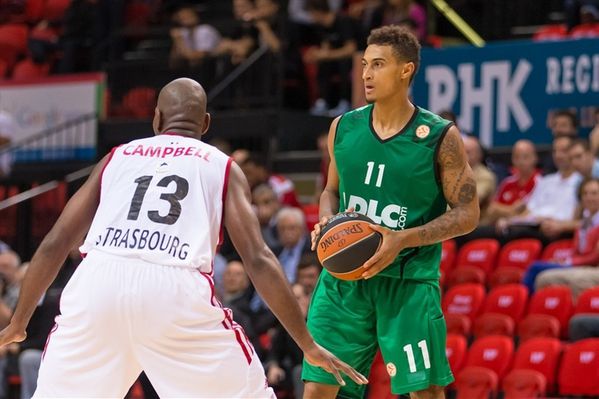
345, 243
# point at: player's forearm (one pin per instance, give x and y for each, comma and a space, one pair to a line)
270, 282
455, 222
329, 203
44, 267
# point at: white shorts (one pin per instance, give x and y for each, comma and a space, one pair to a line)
122, 316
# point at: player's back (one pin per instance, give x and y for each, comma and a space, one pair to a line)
161, 201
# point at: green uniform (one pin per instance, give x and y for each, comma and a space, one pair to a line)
396, 183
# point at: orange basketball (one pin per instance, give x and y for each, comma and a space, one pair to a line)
345, 243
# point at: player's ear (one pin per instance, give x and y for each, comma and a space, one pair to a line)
157, 121
408, 70
207, 120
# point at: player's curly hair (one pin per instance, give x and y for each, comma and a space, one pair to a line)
403, 42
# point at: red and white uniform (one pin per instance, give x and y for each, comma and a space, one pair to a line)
143, 297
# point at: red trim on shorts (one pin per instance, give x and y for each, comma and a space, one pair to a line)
228, 322
48, 340
221, 234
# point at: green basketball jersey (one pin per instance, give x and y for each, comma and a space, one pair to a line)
394, 181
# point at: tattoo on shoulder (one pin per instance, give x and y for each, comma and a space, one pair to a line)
467, 191
449, 154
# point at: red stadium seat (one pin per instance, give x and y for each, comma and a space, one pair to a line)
558, 250
481, 253
555, 301
493, 352
14, 36
588, 301
519, 253
55, 9
476, 382
551, 32
34, 10
448, 255
27, 69
464, 299
542, 355
455, 349
3, 68
510, 300
538, 326
579, 370
465, 274
524, 384
505, 275
311, 214
493, 324
140, 101
458, 324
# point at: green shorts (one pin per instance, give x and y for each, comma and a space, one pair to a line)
352, 319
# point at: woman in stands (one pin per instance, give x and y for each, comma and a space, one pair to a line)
586, 237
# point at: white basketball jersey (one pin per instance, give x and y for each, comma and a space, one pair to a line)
161, 200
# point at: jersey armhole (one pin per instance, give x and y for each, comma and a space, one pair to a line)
221, 233
436, 156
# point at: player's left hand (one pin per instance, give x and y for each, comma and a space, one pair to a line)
320, 357
12, 333
390, 247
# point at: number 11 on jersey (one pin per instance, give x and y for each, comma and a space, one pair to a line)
379, 177
410, 354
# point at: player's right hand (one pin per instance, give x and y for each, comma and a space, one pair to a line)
315, 235
12, 333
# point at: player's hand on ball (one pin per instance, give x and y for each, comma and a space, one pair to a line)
316, 232
388, 251
12, 333
320, 357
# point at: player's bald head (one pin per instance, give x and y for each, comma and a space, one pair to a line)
181, 107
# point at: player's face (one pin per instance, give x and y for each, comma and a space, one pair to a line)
383, 73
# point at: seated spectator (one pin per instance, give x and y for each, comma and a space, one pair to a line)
562, 123
243, 38
8, 131
265, 18
291, 227
267, 205
583, 159
192, 41
594, 135
284, 362
256, 172
397, 11
485, 179
80, 35
308, 272
551, 210
333, 57
589, 23
514, 191
582, 326
586, 236
578, 278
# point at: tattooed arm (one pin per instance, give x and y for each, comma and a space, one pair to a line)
459, 189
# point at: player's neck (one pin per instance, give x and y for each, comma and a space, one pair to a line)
393, 114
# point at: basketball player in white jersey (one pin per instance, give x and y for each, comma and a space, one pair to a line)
143, 297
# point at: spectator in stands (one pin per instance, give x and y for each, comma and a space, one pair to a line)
398, 11
40, 326
81, 33
589, 23
582, 326
284, 362
333, 56
550, 211
583, 160
243, 39
562, 123
486, 181
308, 272
43, 42
257, 173
291, 227
8, 130
369, 14
192, 41
297, 12
264, 16
514, 191
594, 135
586, 236
577, 278
267, 205
11, 276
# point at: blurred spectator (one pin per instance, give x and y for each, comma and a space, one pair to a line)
192, 41
11, 277
81, 33
582, 159
578, 278
550, 211
369, 14
582, 326
589, 23
256, 172
400, 11
294, 239
43, 42
8, 130
267, 205
284, 362
486, 182
514, 191
562, 123
594, 135
573, 10
298, 13
40, 326
586, 236
244, 37
308, 271
264, 16
333, 56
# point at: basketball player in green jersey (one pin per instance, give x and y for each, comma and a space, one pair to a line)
401, 165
